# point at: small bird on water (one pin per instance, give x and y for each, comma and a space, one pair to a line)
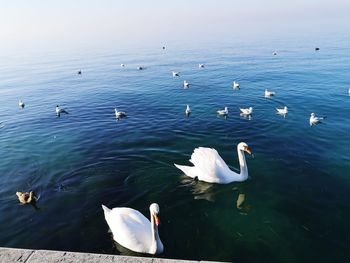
21, 104
282, 111
315, 120
223, 112
119, 114
246, 111
188, 110
186, 84
59, 110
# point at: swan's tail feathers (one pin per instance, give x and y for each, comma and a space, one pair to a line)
106, 209
185, 169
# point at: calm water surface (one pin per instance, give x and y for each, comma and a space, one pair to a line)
297, 196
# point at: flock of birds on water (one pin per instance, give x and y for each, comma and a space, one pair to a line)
132, 229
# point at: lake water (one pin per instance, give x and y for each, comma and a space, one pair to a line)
297, 196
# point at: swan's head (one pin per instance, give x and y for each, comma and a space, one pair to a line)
285, 108
250, 108
155, 211
312, 114
226, 108
244, 147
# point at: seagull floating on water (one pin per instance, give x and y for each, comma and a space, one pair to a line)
315, 120
269, 93
140, 68
122, 65
274, 53
79, 72
186, 84
176, 74
201, 65
119, 114
246, 111
282, 111
235, 85
188, 110
59, 110
223, 112
21, 104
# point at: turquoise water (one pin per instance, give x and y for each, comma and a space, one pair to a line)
297, 195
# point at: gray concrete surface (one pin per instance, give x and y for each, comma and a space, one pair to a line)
40, 256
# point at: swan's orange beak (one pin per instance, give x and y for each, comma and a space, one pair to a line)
247, 149
156, 220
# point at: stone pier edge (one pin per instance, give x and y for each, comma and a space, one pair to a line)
9, 255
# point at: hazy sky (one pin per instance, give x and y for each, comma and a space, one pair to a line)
75, 23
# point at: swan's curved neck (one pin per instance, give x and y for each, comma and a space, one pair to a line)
242, 164
156, 243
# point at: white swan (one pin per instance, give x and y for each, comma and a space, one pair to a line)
176, 74
282, 111
223, 112
269, 93
186, 84
119, 114
201, 65
21, 104
315, 120
133, 230
246, 111
188, 110
210, 167
235, 85
59, 110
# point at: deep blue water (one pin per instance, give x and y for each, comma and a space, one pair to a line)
297, 195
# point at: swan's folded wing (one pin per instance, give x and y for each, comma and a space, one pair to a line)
209, 163
131, 229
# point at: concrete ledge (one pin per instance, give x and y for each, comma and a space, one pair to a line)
8, 255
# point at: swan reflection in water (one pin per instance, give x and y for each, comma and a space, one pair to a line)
241, 205
200, 190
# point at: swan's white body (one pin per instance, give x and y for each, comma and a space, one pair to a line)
59, 110
269, 93
133, 230
201, 65
186, 84
210, 167
188, 110
246, 111
119, 114
282, 111
176, 74
315, 120
21, 104
223, 112
235, 85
